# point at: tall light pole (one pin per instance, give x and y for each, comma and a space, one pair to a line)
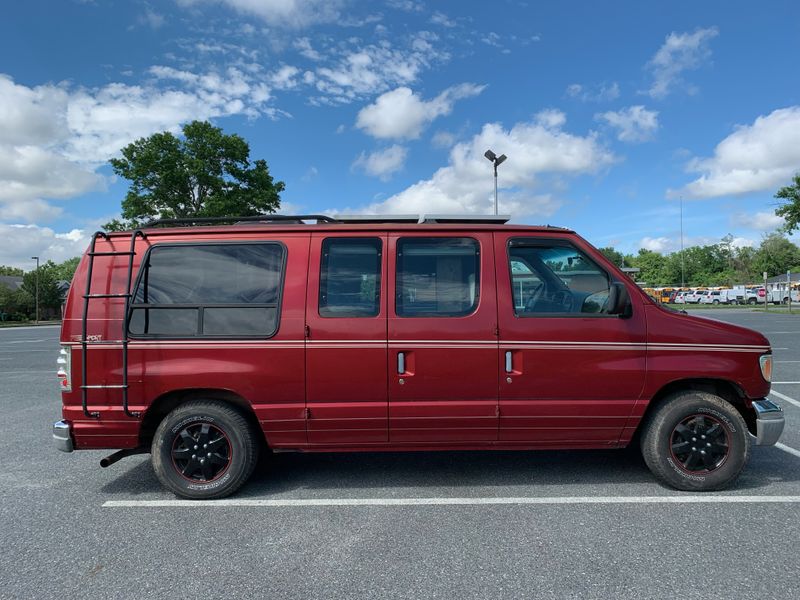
36, 258
683, 269
496, 161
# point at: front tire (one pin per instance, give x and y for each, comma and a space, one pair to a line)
204, 450
696, 441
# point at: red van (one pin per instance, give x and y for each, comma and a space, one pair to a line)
207, 342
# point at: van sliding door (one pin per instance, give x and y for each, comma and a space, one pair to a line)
442, 341
346, 346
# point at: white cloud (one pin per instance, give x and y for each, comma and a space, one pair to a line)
754, 158
762, 221
680, 52
401, 114
666, 245
290, 13
284, 78
601, 92
443, 139
406, 5
535, 149
303, 45
20, 242
633, 124
362, 71
54, 137
383, 163
439, 18
152, 19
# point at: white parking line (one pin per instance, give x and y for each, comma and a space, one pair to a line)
289, 502
786, 361
786, 398
785, 382
788, 449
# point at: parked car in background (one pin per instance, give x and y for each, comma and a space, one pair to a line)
713, 297
680, 298
781, 296
693, 297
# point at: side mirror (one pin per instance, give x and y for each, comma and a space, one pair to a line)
619, 301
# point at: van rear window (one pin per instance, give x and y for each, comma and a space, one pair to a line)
216, 290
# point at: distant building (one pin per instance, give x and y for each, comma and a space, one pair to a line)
12, 282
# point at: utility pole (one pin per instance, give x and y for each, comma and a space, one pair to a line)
36, 258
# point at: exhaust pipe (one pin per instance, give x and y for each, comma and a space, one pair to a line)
120, 454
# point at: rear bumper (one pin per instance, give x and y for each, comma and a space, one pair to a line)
62, 436
769, 422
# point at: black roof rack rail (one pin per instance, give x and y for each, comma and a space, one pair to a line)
233, 220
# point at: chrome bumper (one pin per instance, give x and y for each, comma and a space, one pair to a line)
62, 436
769, 422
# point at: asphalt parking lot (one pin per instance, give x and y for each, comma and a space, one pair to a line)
417, 525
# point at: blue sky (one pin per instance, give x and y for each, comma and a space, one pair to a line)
608, 112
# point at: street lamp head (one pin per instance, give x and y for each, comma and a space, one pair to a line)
501, 158
34, 258
490, 155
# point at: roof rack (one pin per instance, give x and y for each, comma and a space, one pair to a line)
351, 219
234, 220
424, 218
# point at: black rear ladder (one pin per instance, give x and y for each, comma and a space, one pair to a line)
85, 342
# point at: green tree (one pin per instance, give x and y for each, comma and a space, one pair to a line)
651, 265
4, 270
206, 173
615, 256
65, 271
15, 305
790, 210
49, 294
775, 255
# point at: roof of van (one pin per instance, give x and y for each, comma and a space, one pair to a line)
235, 225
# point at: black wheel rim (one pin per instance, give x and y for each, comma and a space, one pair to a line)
700, 444
201, 452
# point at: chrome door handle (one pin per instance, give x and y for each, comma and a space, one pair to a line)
401, 363
509, 365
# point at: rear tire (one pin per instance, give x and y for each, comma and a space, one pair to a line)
204, 449
695, 441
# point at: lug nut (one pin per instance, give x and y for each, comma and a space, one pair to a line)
702, 451
694, 449
194, 456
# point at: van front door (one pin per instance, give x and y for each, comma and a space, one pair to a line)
442, 338
570, 372
346, 349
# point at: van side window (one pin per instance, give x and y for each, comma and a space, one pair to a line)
350, 277
437, 277
548, 279
216, 290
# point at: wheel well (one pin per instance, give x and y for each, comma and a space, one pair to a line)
727, 390
166, 403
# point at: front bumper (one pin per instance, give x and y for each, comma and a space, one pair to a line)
769, 422
62, 436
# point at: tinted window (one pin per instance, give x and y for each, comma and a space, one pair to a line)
437, 277
549, 279
350, 277
209, 290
